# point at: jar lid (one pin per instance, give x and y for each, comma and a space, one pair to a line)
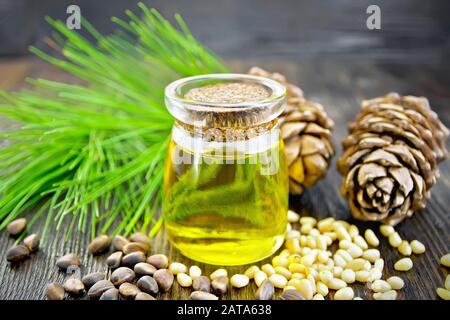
225, 100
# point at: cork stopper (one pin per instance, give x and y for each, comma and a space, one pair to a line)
225, 100
229, 92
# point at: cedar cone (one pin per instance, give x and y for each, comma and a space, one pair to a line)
390, 158
306, 132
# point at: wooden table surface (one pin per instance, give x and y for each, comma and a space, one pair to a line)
339, 86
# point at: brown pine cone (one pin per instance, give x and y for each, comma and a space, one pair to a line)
390, 157
306, 132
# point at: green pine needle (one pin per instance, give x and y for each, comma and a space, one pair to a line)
93, 154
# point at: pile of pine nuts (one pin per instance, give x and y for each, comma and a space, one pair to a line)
308, 266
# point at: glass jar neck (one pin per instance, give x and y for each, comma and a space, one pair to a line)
250, 140
216, 114
229, 134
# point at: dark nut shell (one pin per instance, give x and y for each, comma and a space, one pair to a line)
99, 244
31, 242
265, 291
140, 237
292, 294
67, 260
144, 296
144, 269
159, 261
164, 278
220, 285
202, 295
201, 283
17, 253
119, 242
110, 294
74, 286
128, 290
135, 247
148, 284
16, 227
99, 288
114, 260
131, 259
54, 291
92, 278
121, 275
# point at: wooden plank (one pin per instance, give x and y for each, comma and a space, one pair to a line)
340, 88
412, 30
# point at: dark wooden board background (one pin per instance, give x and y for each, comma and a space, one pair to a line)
412, 30
339, 87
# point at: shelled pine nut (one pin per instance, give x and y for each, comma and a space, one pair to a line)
184, 280
322, 288
280, 261
417, 247
388, 295
308, 220
344, 294
405, 248
380, 286
337, 271
218, 273
386, 230
371, 255
443, 293
445, 260
404, 264
325, 276
177, 267
195, 272
305, 288
260, 276
292, 216
375, 274
362, 276
268, 269
379, 264
396, 283
348, 275
356, 265
361, 242
395, 240
239, 280
251, 271
371, 238
355, 251
283, 271
336, 284
353, 231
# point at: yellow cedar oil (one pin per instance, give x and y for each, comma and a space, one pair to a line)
226, 210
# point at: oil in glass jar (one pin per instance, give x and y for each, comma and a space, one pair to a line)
225, 181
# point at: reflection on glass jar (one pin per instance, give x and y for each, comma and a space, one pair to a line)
226, 181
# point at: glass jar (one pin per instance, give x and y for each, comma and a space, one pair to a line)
226, 180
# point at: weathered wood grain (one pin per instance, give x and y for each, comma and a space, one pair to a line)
411, 30
339, 87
